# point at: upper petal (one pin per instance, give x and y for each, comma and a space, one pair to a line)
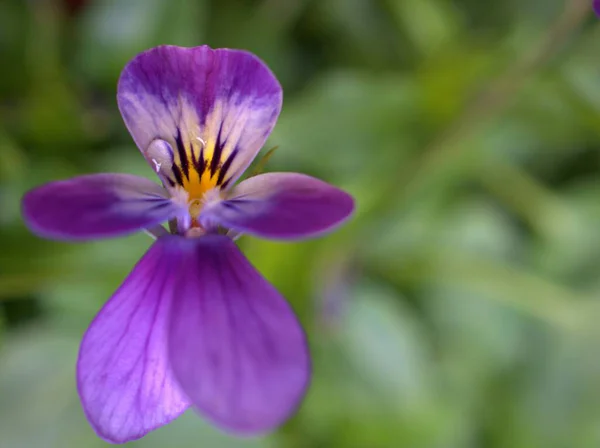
96, 206
123, 374
212, 110
282, 206
235, 345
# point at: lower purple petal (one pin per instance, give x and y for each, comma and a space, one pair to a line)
281, 206
235, 346
96, 206
123, 374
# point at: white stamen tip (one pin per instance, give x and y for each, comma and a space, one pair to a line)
201, 141
159, 152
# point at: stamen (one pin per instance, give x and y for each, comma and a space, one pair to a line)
161, 154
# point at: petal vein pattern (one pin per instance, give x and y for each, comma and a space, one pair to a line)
281, 206
236, 347
96, 206
124, 378
212, 111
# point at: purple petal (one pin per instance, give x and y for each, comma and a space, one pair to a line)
96, 206
281, 206
596, 6
235, 345
123, 374
207, 112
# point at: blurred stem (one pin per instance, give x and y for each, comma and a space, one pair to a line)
494, 99
516, 288
497, 281
524, 195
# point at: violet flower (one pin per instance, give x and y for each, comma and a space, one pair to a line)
194, 324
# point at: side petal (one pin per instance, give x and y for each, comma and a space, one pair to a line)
123, 374
96, 206
281, 206
235, 345
212, 110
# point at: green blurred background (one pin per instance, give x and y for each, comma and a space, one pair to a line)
458, 308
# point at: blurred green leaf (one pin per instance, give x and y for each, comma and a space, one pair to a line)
112, 32
457, 308
430, 24
386, 346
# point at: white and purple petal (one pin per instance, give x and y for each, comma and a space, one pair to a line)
123, 374
235, 346
210, 111
96, 206
281, 206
